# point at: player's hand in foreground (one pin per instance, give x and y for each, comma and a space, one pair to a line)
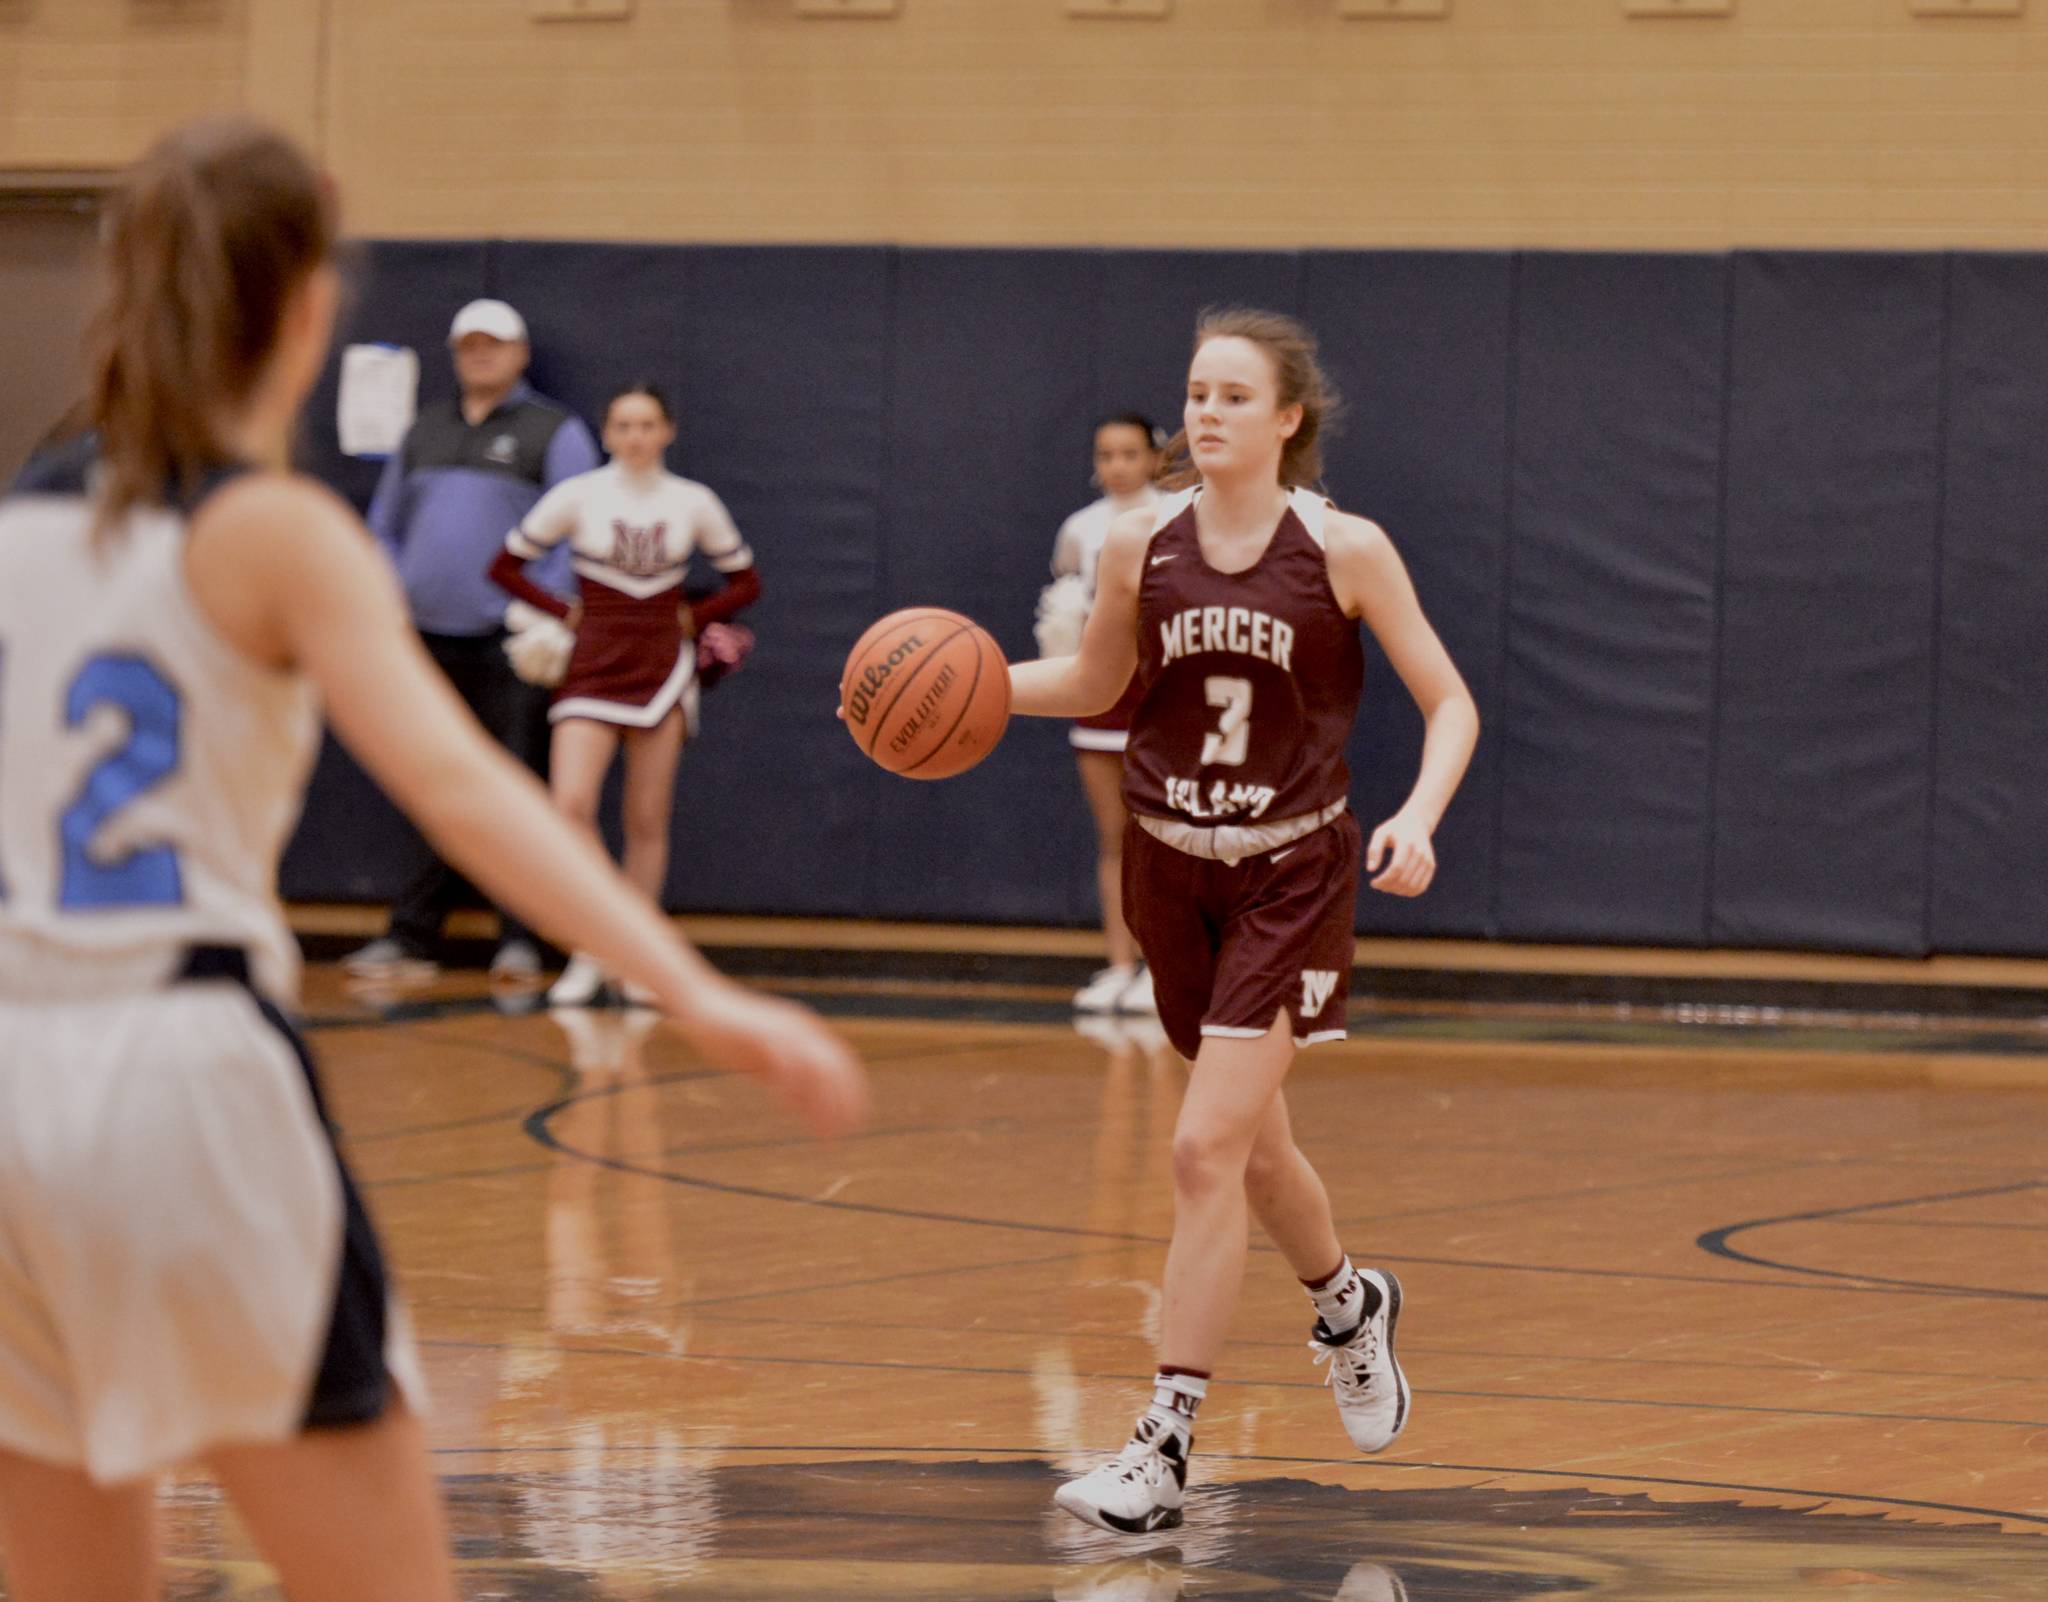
807, 1067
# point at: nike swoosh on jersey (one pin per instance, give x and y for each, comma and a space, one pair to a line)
1160, 560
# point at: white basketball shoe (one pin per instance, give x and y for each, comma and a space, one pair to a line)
582, 982
1365, 1377
1101, 992
1137, 1491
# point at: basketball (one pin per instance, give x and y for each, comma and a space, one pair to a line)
926, 693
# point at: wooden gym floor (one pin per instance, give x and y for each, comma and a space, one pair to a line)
1709, 1297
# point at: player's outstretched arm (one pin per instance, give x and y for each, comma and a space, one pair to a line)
1089, 682
1372, 583
288, 575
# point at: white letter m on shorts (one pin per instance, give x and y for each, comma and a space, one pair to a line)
1317, 984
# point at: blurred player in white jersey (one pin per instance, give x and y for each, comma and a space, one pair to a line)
1126, 459
186, 1270
625, 656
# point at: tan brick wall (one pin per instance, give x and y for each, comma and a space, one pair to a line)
1238, 122
87, 83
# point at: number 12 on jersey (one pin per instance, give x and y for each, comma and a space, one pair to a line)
145, 875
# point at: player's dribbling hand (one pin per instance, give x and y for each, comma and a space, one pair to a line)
1402, 844
807, 1067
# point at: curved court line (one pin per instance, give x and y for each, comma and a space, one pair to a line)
1715, 1241
1036, 1454
537, 1127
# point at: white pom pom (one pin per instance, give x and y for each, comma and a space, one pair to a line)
1062, 614
540, 652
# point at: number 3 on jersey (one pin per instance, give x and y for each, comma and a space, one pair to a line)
147, 875
1225, 745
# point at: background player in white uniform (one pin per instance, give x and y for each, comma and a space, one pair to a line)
185, 1268
1249, 595
1126, 458
631, 673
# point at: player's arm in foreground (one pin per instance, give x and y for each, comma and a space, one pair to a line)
1372, 584
286, 573
1089, 682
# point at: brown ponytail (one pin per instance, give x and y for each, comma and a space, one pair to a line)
1298, 376
204, 244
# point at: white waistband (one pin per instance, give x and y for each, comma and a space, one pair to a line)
1232, 842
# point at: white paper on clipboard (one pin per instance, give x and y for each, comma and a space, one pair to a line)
380, 391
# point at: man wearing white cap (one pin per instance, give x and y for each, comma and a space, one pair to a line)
469, 469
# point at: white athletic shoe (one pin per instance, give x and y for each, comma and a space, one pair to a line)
1371, 1582
1102, 993
516, 962
389, 958
1137, 996
582, 982
1371, 1390
1137, 1491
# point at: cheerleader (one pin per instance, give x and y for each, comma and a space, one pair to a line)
626, 654
1126, 459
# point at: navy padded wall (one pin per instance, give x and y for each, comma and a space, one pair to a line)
1821, 789
1419, 343
1607, 711
1991, 760
991, 363
1150, 299
351, 843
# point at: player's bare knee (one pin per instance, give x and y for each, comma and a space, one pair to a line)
1206, 1160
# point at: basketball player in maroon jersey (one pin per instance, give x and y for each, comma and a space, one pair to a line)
1237, 601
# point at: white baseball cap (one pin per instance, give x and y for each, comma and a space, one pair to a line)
492, 317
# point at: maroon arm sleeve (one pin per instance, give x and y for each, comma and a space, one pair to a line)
509, 574
742, 589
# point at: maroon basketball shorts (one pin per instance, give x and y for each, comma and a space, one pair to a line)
1232, 946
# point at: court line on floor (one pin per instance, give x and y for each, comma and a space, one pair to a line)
746, 1359
1715, 1241
538, 1128
1585, 1477
1778, 1365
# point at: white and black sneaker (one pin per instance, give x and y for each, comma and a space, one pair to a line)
1137, 1491
1365, 1377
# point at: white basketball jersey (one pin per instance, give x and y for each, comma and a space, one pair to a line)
149, 772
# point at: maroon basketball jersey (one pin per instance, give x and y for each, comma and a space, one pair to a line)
1250, 681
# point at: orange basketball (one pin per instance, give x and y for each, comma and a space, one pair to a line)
926, 693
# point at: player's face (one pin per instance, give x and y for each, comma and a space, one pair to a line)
489, 365
1235, 422
1124, 459
636, 432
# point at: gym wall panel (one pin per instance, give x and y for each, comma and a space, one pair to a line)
1821, 787
1991, 707
1752, 621
1607, 710
1419, 344
992, 364
1150, 301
